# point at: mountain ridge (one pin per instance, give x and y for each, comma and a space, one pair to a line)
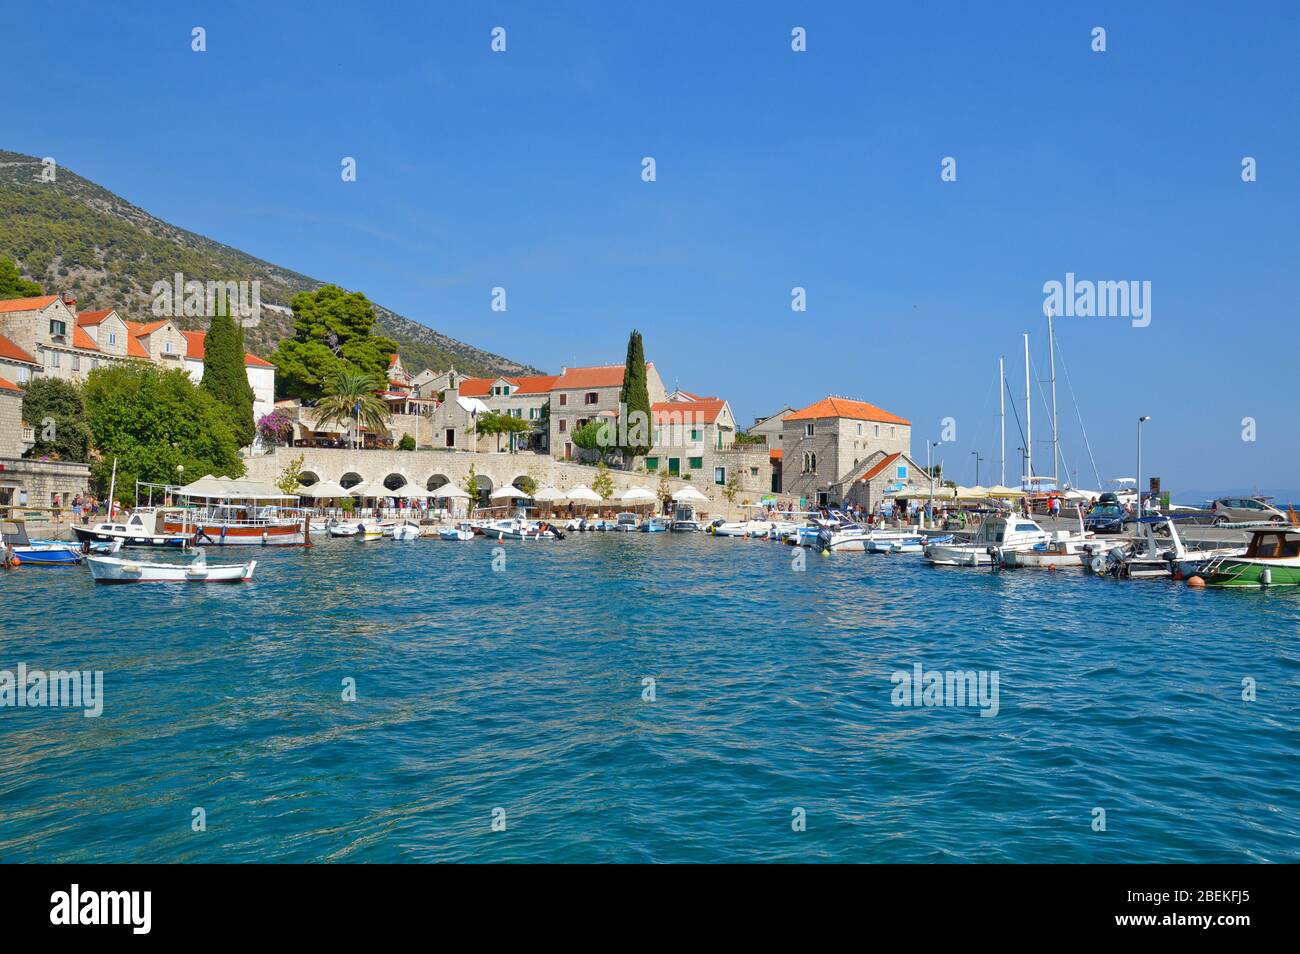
75, 235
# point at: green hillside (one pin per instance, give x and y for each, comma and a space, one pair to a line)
73, 235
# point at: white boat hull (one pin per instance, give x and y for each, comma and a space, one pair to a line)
115, 570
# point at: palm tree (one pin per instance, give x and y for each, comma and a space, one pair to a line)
353, 396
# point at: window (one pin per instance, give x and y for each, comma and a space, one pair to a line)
591, 397
674, 466
652, 463
167, 347
695, 433
892, 430
859, 430
564, 399
808, 430
451, 437
753, 471
877, 430
564, 425
695, 462
58, 328
532, 414
76, 362
720, 475
24, 375
809, 463
112, 338
53, 358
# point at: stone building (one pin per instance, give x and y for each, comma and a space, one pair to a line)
580, 395
261, 373
825, 443
695, 438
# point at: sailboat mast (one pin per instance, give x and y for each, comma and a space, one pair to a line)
1056, 439
1029, 419
1002, 420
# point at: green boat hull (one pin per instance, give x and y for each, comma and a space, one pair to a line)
1250, 573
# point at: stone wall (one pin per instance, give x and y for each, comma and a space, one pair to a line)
11, 424
420, 468
43, 482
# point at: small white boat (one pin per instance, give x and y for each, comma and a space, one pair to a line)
461, 533
343, 528
626, 522
116, 570
403, 531
1004, 534
370, 531
517, 529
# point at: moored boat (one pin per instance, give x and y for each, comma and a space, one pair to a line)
1272, 558
996, 533
117, 570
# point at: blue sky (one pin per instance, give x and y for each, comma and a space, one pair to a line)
775, 169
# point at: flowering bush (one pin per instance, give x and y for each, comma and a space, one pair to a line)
275, 428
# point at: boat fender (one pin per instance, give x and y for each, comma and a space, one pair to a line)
826, 553
15, 560
1266, 576
264, 537
1195, 582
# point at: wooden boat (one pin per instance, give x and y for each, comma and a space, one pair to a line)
116, 570
142, 527
1272, 558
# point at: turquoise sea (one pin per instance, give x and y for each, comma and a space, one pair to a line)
522, 690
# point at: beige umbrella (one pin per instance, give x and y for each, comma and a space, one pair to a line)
548, 494
509, 492
582, 494
690, 495
638, 495
323, 489
997, 490
448, 491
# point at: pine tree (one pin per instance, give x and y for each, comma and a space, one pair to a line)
635, 398
224, 374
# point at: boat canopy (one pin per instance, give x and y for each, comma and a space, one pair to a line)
226, 488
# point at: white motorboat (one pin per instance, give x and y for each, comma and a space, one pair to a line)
626, 522
1006, 534
117, 570
516, 529
143, 527
370, 531
1063, 550
460, 534
406, 530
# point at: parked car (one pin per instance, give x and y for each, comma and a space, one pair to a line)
1106, 517
1245, 510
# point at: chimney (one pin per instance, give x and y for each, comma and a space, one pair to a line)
70, 300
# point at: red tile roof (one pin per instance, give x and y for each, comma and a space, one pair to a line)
9, 386
845, 407
81, 339
194, 349
148, 329
88, 318
529, 384
879, 466
707, 410
600, 376
14, 353
28, 304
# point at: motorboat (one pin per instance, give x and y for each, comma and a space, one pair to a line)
367, 531
899, 541
117, 570
626, 522
517, 529
142, 527
344, 528
684, 519
1062, 550
405, 530
17, 550
461, 533
654, 525
1272, 558
999, 533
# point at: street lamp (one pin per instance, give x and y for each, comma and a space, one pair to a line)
1141, 420
978, 458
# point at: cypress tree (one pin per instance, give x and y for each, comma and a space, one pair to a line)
635, 398
224, 375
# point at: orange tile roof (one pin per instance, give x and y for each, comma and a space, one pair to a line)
600, 376
475, 387
9, 386
28, 304
148, 329
529, 384
707, 410
845, 407
14, 353
775, 454
194, 349
81, 339
878, 467
87, 318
